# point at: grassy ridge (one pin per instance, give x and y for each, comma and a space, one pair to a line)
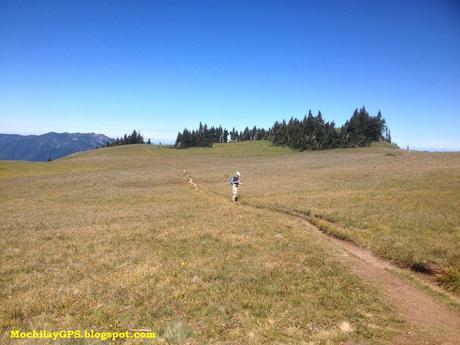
115, 239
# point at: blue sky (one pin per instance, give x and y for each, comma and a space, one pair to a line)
160, 66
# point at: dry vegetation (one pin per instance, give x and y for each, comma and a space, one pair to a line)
115, 239
403, 205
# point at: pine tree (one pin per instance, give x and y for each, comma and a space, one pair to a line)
179, 140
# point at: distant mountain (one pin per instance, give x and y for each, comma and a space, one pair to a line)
50, 145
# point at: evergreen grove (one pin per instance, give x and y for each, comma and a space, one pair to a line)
134, 138
205, 137
309, 133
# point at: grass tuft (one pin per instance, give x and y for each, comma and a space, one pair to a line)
177, 332
449, 277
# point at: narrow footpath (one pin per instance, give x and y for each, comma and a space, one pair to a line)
430, 322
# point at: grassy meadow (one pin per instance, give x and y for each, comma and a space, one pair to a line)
402, 205
116, 239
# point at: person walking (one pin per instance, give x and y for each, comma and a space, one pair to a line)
235, 182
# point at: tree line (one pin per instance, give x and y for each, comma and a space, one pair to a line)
206, 136
313, 133
133, 138
309, 133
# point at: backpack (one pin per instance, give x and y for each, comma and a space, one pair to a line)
232, 179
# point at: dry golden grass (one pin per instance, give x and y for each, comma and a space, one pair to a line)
403, 205
116, 239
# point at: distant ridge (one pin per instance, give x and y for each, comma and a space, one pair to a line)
49, 145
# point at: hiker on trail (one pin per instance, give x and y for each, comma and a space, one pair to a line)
235, 182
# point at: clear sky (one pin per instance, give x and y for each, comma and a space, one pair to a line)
160, 66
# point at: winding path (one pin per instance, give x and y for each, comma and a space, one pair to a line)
430, 322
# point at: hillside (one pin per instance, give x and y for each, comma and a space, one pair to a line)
50, 145
117, 239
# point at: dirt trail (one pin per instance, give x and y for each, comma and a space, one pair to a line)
190, 179
430, 322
